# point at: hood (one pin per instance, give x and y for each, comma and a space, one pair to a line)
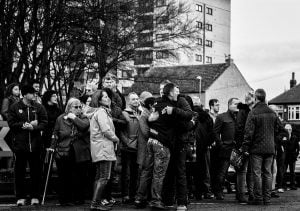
89, 111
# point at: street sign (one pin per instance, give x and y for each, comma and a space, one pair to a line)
5, 151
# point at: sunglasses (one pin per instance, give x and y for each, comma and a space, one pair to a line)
77, 107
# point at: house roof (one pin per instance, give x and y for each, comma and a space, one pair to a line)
184, 76
291, 96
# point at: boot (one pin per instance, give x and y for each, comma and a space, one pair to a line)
99, 188
242, 198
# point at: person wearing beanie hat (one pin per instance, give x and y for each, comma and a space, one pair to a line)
26, 89
144, 95
26, 120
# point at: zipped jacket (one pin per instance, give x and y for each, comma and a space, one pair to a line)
26, 140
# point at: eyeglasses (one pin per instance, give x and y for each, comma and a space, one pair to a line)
77, 107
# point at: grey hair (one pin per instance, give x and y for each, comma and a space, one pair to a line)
71, 101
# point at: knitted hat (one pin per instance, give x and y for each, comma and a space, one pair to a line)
27, 89
144, 95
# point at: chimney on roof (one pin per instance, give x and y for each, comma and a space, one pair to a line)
293, 82
228, 59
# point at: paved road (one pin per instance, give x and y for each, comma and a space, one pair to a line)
289, 201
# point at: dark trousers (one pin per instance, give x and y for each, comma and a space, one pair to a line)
21, 159
291, 163
129, 173
280, 168
222, 169
72, 180
241, 177
202, 176
175, 182
214, 161
262, 175
156, 164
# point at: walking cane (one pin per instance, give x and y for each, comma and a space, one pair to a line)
48, 173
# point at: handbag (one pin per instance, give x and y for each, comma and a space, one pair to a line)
236, 158
63, 148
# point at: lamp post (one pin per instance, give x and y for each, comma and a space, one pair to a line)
200, 80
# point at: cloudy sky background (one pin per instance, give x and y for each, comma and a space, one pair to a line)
265, 42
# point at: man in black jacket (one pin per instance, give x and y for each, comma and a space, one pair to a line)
162, 124
26, 120
262, 126
175, 182
224, 129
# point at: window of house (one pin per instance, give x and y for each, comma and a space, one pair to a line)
208, 60
198, 7
162, 19
161, 3
294, 112
199, 41
164, 54
209, 11
198, 57
208, 27
199, 25
208, 43
162, 37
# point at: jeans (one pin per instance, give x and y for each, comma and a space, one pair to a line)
274, 173
249, 179
129, 173
214, 161
241, 177
175, 182
280, 169
156, 165
21, 159
262, 175
221, 174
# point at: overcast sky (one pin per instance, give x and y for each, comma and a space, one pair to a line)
265, 42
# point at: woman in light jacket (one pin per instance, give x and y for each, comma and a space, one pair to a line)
103, 143
72, 153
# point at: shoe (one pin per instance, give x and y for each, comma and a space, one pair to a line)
198, 196
157, 205
267, 202
251, 197
219, 196
181, 208
294, 188
242, 198
274, 194
21, 202
34, 201
127, 200
209, 195
280, 190
255, 202
140, 203
99, 188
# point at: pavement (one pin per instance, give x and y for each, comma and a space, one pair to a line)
289, 201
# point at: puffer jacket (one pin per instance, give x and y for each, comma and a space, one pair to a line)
102, 136
262, 126
64, 130
26, 140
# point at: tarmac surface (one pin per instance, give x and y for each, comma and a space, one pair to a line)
289, 201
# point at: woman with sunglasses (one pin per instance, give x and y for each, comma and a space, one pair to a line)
103, 144
72, 152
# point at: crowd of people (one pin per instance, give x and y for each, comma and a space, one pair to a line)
167, 150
